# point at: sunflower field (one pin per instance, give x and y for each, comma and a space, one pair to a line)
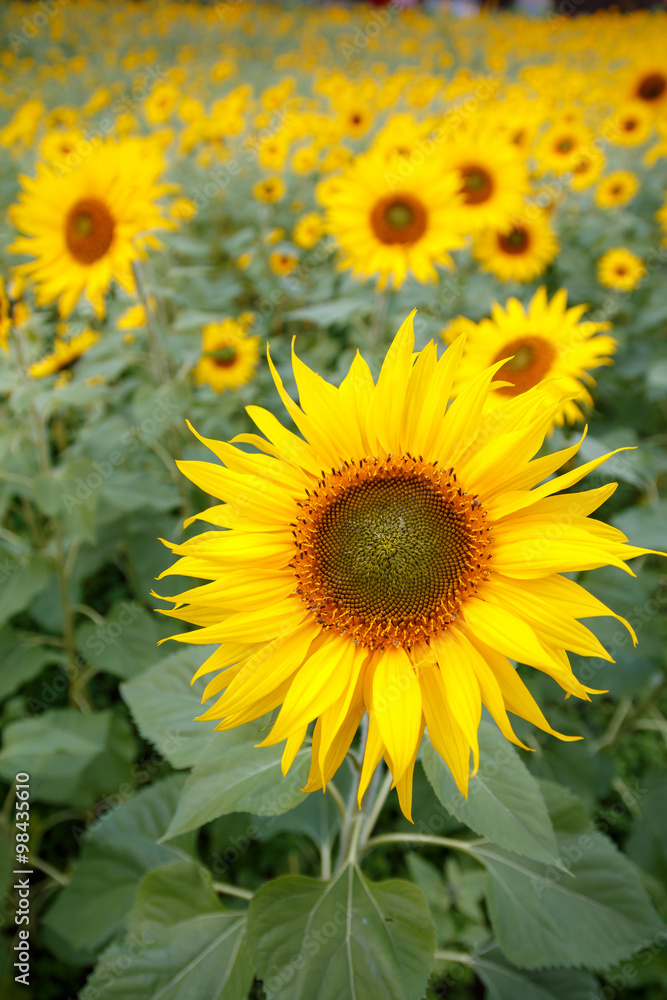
333, 388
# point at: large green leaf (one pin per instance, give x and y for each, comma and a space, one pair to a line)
647, 845
124, 644
504, 800
22, 658
204, 956
326, 313
345, 939
164, 706
71, 757
234, 775
504, 982
22, 576
118, 850
592, 915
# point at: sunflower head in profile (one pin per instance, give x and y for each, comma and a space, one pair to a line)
521, 252
621, 269
492, 178
545, 344
390, 560
66, 352
229, 356
82, 228
393, 218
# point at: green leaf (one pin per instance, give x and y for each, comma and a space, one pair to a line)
164, 705
647, 846
172, 894
22, 576
128, 491
235, 775
504, 982
504, 800
327, 313
22, 659
71, 757
120, 847
341, 940
567, 812
6, 876
185, 957
645, 525
126, 642
593, 915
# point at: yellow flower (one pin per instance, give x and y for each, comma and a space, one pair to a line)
133, 318
5, 315
308, 230
244, 261
229, 356
269, 190
282, 262
620, 269
274, 236
391, 219
491, 175
304, 160
544, 344
587, 168
562, 147
183, 210
81, 228
58, 145
393, 561
160, 103
65, 353
520, 253
616, 188
649, 85
630, 125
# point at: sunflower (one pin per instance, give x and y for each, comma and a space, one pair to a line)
661, 217
630, 125
544, 343
492, 178
308, 230
616, 189
282, 262
229, 355
649, 84
5, 315
392, 561
620, 269
587, 168
562, 147
269, 190
520, 253
390, 218
82, 228
65, 352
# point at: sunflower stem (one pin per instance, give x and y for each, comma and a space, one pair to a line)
423, 838
158, 356
232, 890
379, 320
376, 808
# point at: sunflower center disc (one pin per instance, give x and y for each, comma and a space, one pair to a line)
89, 230
386, 551
514, 242
398, 218
533, 357
224, 358
477, 185
652, 87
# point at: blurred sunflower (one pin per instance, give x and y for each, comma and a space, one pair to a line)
308, 230
630, 125
649, 84
616, 189
269, 190
543, 344
390, 221
5, 315
282, 262
229, 355
620, 269
82, 228
563, 146
520, 253
396, 583
65, 352
492, 178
